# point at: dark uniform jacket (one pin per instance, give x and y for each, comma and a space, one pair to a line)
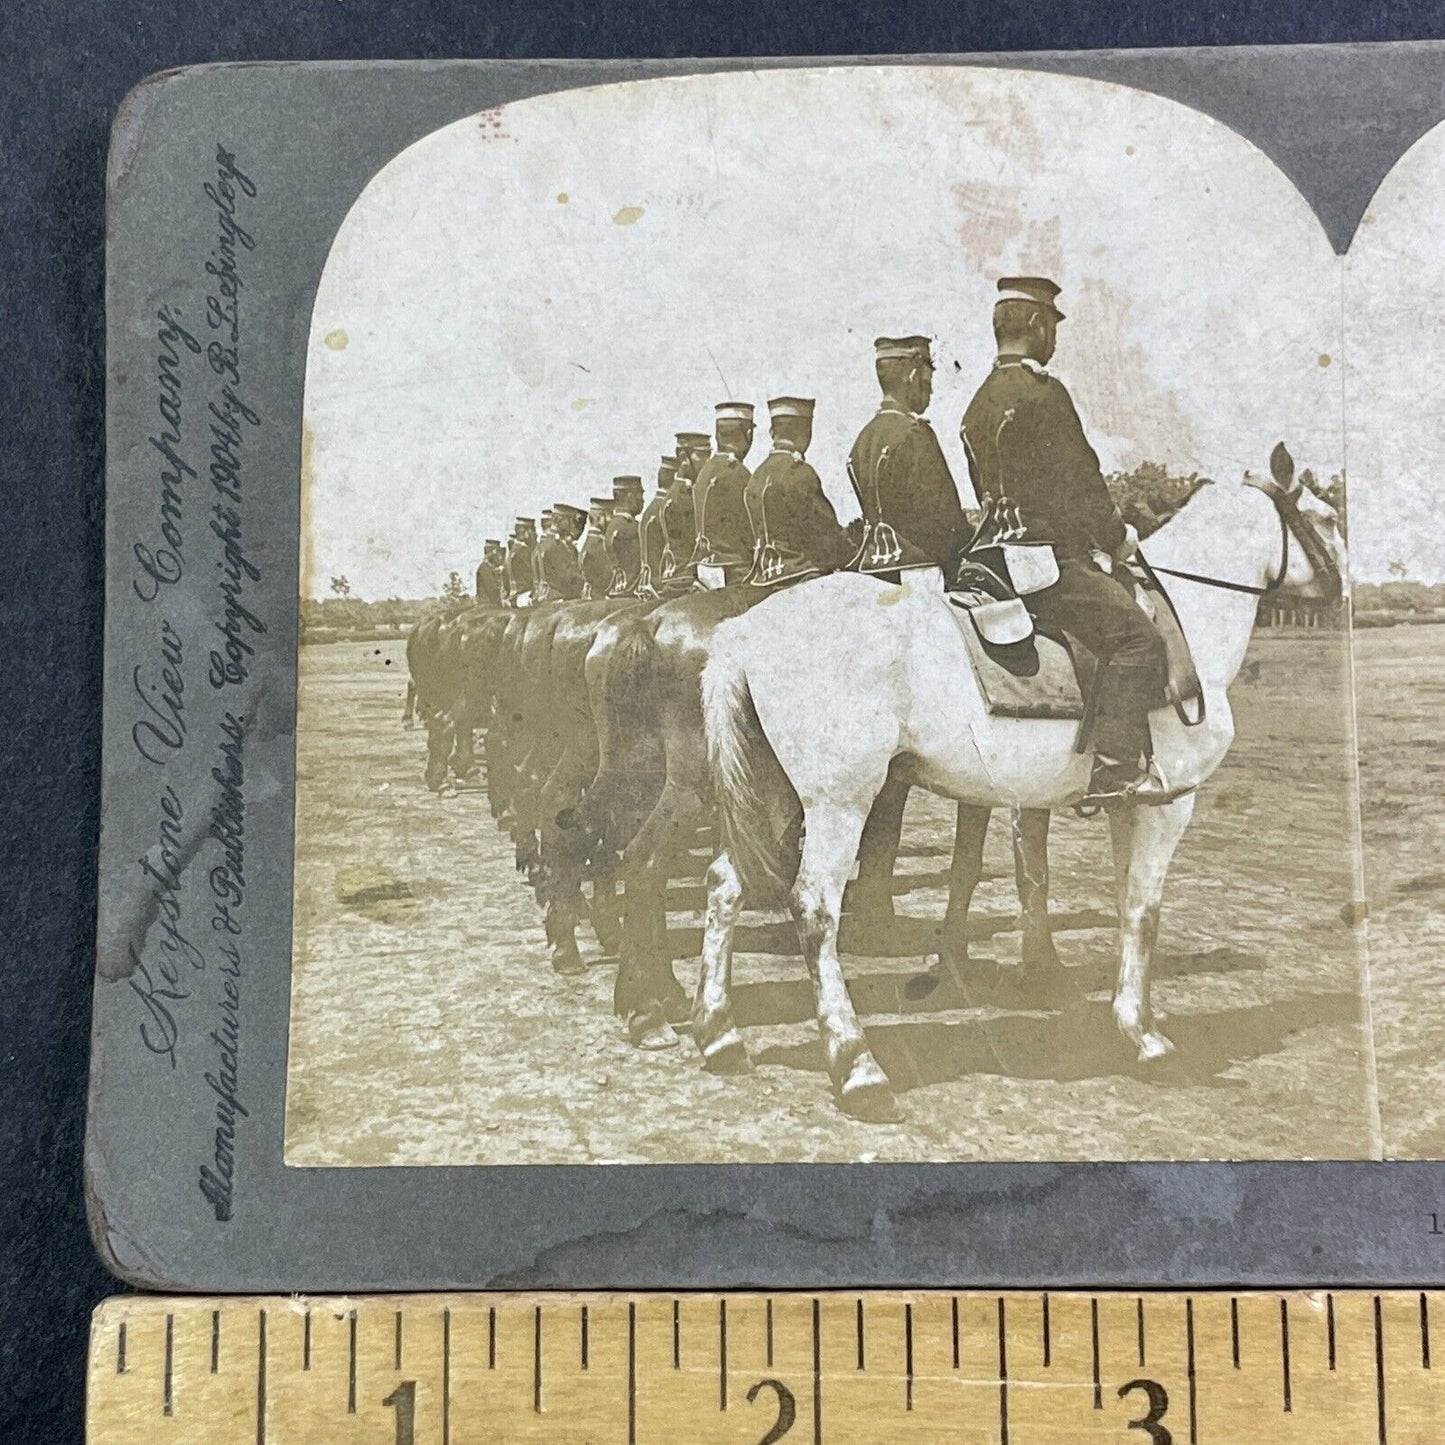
795, 528
679, 530
1025, 442
518, 568
624, 552
901, 477
724, 535
558, 577
491, 583
649, 530
595, 563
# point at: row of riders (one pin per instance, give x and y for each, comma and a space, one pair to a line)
584, 657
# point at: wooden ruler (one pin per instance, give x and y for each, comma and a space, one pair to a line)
980, 1368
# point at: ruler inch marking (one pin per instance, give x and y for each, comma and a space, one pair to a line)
1002, 1375
537, 1360
261, 1377
446, 1377
770, 1332
1330, 1328
908, 1356
954, 1312
632, 1365
1234, 1328
397, 1350
859, 1312
1094, 1332
1424, 1331
1048, 1342
351, 1365
120, 1349
676, 1335
1284, 1354
306, 1341
492, 1337
1139, 1313
1380, 1376
722, 1355
215, 1341
168, 1396
818, 1373
1191, 1371
585, 1364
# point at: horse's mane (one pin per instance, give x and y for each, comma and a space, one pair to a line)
1148, 503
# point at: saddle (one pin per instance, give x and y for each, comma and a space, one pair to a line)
1024, 671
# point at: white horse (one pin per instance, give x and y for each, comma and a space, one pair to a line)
811, 694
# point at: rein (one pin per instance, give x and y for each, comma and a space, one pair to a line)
1290, 520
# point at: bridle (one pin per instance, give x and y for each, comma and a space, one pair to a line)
1292, 523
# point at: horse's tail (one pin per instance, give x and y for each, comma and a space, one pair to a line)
758, 809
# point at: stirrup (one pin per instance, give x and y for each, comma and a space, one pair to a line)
1147, 789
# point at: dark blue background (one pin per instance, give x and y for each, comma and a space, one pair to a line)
67, 66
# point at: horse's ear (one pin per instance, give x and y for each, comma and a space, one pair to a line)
1281, 466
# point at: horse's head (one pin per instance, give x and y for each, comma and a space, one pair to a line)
1318, 566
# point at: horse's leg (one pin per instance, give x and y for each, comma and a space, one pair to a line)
830, 843
1152, 834
869, 899
713, 1028
408, 712
647, 990
440, 737
563, 853
963, 878
1031, 875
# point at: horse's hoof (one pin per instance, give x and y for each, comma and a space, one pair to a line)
568, 962
867, 1095
727, 1054
655, 1038
1153, 1046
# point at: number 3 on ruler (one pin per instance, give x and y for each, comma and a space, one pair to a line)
403, 1400
1158, 1403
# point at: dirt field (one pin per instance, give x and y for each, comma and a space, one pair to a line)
431, 1030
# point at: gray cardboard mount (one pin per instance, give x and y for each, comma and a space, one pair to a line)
313, 135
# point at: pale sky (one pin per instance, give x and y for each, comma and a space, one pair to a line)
1395, 377
529, 301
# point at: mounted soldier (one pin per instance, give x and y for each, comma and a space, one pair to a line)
796, 532
679, 525
518, 565
649, 530
592, 555
1026, 447
557, 572
898, 470
623, 536
491, 574
722, 552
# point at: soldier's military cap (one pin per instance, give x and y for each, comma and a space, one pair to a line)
524, 522
568, 512
599, 504
691, 440
734, 411
666, 469
1038, 289
790, 406
903, 348
623, 485
491, 542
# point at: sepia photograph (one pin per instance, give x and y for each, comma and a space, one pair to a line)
826, 636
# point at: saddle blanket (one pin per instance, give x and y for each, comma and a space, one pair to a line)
1042, 676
